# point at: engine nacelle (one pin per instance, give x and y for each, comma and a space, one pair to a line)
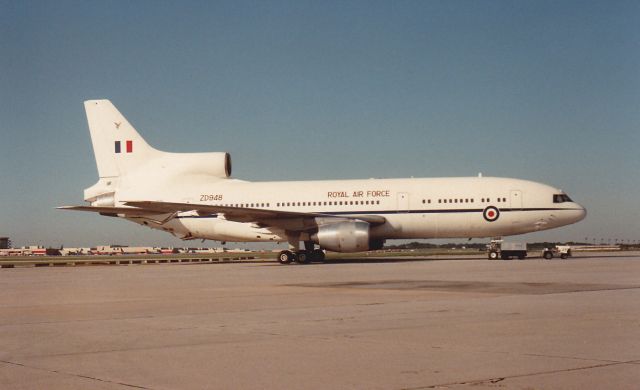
216, 164
348, 236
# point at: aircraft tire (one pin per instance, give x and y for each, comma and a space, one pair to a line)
318, 255
286, 257
303, 257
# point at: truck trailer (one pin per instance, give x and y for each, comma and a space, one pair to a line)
506, 250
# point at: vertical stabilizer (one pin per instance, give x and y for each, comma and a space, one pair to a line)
117, 146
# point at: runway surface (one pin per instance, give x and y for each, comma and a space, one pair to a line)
442, 324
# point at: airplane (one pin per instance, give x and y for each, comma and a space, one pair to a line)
194, 196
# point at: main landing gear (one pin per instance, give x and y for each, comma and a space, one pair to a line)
301, 257
304, 256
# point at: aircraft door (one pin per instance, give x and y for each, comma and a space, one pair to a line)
516, 199
403, 201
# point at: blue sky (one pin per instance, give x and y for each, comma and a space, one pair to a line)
541, 90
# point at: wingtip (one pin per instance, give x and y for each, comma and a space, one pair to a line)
72, 208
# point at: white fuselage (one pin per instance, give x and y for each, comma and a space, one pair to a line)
413, 208
191, 195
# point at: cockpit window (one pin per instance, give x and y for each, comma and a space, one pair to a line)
561, 198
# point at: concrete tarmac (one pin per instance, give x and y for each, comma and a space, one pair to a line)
441, 324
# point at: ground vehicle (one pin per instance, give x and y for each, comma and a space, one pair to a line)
506, 250
563, 251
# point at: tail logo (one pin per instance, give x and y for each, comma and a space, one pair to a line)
129, 147
117, 124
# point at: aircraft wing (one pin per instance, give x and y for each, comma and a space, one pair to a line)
243, 214
126, 211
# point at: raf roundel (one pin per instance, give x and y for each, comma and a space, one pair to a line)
491, 213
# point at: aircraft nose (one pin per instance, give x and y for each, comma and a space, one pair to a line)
580, 213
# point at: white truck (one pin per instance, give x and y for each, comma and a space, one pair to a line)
506, 250
563, 251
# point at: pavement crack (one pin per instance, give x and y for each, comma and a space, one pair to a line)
74, 375
572, 357
500, 379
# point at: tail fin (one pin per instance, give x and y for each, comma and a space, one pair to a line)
125, 160
117, 146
